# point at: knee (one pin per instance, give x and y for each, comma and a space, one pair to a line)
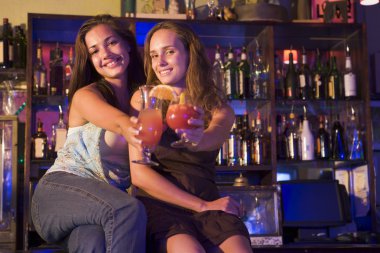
87, 238
134, 209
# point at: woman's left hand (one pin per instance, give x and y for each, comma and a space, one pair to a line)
193, 136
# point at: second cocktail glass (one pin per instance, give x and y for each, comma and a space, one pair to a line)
178, 114
150, 124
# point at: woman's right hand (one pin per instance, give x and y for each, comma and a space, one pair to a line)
132, 132
226, 204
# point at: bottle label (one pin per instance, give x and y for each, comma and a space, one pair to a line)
241, 83
289, 92
318, 83
256, 152
331, 87
349, 85
42, 83
244, 153
302, 79
39, 148
291, 151
228, 82
1, 52
68, 71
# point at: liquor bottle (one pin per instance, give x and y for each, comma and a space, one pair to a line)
246, 147
338, 145
68, 72
258, 141
190, 9
307, 140
278, 78
7, 48
323, 140
218, 70
349, 78
222, 157
354, 138
234, 143
39, 143
39, 74
56, 71
299, 131
19, 48
291, 138
259, 76
318, 79
59, 132
304, 77
290, 80
334, 81
230, 75
130, 8
281, 140
243, 75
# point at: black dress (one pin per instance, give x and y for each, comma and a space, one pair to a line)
193, 172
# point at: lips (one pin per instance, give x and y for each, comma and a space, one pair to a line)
112, 62
165, 72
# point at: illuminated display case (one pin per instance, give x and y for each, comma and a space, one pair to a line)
8, 181
261, 212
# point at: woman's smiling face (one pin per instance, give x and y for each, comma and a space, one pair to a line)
108, 52
169, 58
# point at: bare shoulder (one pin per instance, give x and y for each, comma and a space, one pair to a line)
83, 100
224, 110
86, 91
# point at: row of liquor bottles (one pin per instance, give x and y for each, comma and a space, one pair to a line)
295, 140
323, 81
53, 78
248, 143
244, 76
12, 46
43, 147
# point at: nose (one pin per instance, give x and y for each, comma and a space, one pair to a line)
161, 60
104, 52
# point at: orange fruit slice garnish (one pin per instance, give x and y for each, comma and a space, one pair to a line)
163, 91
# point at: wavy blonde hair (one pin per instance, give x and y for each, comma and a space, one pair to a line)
199, 83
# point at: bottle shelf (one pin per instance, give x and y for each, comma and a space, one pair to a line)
238, 168
56, 100
321, 163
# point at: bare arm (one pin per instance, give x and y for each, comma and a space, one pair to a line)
159, 187
212, 138
88, 105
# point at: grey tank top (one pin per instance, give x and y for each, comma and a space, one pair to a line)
81, 156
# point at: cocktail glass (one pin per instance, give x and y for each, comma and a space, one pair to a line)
178, 115
150, 125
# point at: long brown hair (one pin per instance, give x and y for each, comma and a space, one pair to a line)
84, 72
199, 83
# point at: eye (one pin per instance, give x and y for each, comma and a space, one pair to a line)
152, 56
169, 51
112, 42
93, 51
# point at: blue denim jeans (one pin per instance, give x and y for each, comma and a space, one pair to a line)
90, 215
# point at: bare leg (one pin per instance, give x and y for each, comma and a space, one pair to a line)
185, 244
236, 243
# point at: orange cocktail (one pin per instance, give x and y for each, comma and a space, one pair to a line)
178, 115
150, 120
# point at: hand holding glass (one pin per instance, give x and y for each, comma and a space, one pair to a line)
178, 115
150, 125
